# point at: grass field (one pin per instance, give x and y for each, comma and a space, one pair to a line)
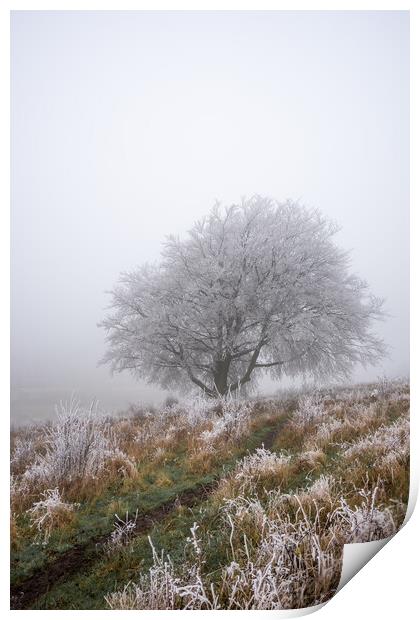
203, 504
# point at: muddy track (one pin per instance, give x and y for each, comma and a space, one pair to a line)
24, 594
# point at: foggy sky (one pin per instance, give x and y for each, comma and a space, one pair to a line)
127, 126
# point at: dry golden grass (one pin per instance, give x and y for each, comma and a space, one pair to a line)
15, 532
256, 473
310, 461
50, 513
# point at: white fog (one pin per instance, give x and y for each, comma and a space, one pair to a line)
128, 126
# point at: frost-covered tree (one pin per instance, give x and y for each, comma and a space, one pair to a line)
255, 287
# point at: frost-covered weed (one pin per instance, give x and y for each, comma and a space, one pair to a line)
23, 453
366, 522
316, 500
262, 468
122, 534
385, 444
49, 513
360, 415
156, 589
383, 389
391, 388
163, 587
245, 511
327, 430
310, 409
158, 425
354, 394
259, 463
77, 446
197, 408
271, 572
399, 396
310, 459
15, 490
340, 423
320, 490
232, 422
207, 421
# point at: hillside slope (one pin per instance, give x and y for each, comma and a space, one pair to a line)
202, 505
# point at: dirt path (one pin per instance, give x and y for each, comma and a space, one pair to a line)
28, 591
24, 594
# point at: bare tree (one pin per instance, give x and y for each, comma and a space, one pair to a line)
255, 287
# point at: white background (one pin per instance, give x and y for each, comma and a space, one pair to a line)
388, 587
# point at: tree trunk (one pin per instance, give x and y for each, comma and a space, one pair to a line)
221, 371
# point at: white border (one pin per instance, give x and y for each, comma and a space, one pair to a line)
401, 574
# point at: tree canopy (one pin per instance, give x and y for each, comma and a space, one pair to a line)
259, 286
